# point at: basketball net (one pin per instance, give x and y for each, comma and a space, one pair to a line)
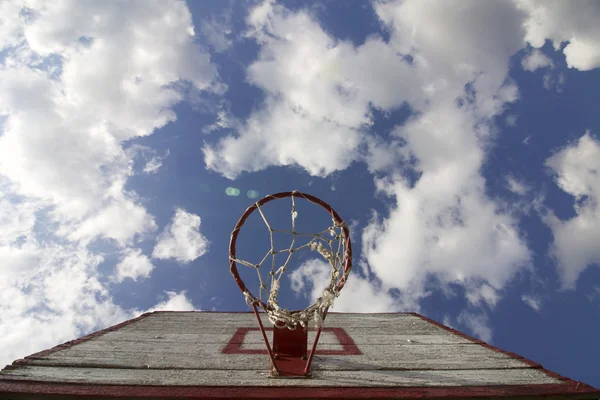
332, 243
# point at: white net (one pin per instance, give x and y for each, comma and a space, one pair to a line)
330, 243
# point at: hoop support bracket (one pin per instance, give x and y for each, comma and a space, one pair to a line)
288, 351
289, 356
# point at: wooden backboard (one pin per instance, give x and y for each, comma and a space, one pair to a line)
214, 354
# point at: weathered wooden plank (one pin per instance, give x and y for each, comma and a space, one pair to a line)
255, 337
200, 349
162, 329
374, 325
260, 378
138, 355
328, 341
252, 337
249, 318
374, 339
151, 337
400, 340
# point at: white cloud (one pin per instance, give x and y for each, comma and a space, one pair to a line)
313, 275
447, 321
153, 165
120, 221
536, 60
16, 220
317, 111
223, 121
383, 155
318, 97
283, 137
217, 31
152, 162
444, 224
358, 295
478, 294
76, 81
55, 289
575, 247
478, 324
511, 120
62, 134
449, 49
362, 295
532, 301
584, 54
564, 21
174, 302
51, 289
181, 239
133, 265
554, 81
517, 186
11, 24
594, 295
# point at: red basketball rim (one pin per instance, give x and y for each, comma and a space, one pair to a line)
283, 195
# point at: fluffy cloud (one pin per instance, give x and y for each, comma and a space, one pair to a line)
536, 60
559, 21
174, 302
443, 225
222, 122
517, 186
358, 295
482, 294
532, 301
444, 41
181, 239
454, 232
51, 289
479, 324
218, 32
62, 135
318, 100
575, 240
11, 27
77, 80
133, 265
554, 81
120, 221
318, 107
153, 165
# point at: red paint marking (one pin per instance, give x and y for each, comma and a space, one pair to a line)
253, 392
533, 364
71, 343
349, 348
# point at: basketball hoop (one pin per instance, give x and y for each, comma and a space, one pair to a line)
291, 327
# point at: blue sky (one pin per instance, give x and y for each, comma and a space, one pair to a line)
459, 141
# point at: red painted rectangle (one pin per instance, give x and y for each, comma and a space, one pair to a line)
348, 346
